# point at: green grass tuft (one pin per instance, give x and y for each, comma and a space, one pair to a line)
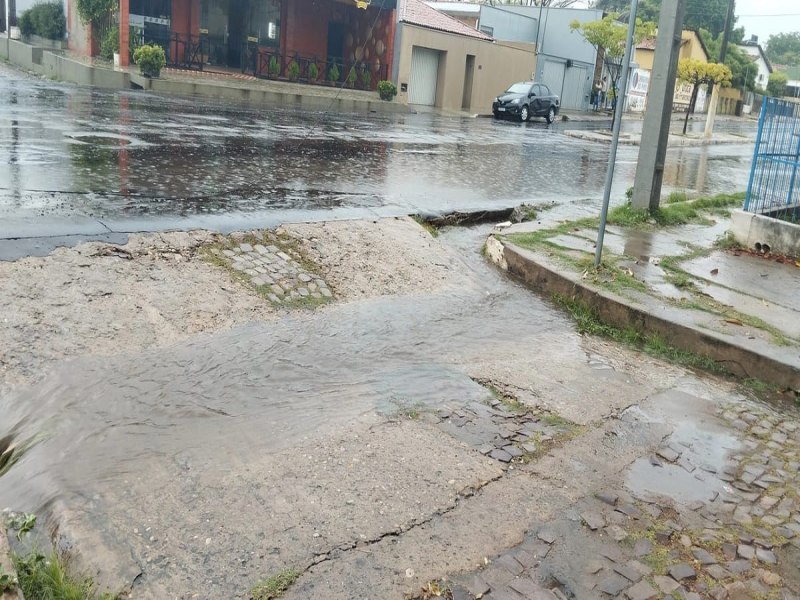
274, 586
429, 227
676, 211
48, 578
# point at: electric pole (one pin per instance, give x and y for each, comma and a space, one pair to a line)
723, 52
658, 115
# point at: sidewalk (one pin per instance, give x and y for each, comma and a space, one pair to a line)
687, 285
675, 139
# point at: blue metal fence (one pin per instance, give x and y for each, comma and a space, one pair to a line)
774, 188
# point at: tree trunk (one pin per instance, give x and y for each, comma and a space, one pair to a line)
690, 108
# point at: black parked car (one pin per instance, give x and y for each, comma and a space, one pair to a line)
526, 99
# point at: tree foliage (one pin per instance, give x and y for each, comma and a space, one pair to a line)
743, 69
95, 11
777, 84
784, 48
698, 73
45, 19
700, 14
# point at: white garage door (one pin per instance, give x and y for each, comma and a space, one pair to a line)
574, 88
424, 75
553, 76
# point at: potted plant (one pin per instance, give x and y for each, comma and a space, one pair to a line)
366, 78
151, 59
334, 74
313, 71
274, 65
351, 77
386, 90
293, 70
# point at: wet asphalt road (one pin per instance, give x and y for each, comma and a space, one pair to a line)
83, 161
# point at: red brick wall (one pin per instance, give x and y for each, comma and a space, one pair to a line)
306, 30
186, 16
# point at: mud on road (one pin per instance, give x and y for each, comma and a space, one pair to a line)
435, 426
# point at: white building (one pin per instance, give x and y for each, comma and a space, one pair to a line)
760, 61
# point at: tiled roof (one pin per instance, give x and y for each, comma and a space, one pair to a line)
416, 12
647, 44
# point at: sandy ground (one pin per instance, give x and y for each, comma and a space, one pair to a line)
156, 290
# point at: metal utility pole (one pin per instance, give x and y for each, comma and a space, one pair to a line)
723, 52
657, 117
620, 107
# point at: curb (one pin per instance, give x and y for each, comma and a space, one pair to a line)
741, 361
675, 141
6, 565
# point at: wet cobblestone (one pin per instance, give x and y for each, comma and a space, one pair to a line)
742, 541
275, 269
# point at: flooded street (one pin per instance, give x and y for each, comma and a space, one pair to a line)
76, 160
349, 398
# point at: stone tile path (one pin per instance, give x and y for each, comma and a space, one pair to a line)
274, 268
742, 541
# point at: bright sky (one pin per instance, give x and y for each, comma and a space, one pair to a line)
767, 17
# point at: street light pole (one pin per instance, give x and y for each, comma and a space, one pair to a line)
619, 107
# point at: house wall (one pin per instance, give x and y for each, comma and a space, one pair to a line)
508, 25
79, 36
762, 77
693, 48
497, 64
306, 30
185, 18
555, 36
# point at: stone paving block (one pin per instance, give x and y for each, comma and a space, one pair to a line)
705, 557
474, 584
609, 498
504, 593
613, 585
682, 571
500, 455
667, 454
538, 549
510, 563
739, 566
525, 558
766, 556
513, 451
717, 572
593, 519
746, 552
666, 584
643, 547
527, 587
641, 591
616, 533
628, 573
546, 536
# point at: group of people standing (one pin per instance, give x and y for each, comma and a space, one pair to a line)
600, 94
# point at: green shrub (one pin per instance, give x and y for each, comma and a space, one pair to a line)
45, 20
386, 90
333, 73
151, 59
293, 70
313, 71
110, 43
95, 11
366, 78
274, 65
351, 77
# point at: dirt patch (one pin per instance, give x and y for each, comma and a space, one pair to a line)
362, 258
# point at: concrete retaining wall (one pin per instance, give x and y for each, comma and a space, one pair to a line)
25, 56
750, 229
743, 362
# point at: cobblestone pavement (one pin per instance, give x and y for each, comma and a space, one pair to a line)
270, 263
705, 516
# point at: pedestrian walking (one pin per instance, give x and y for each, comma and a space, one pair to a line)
603, 92
596, 91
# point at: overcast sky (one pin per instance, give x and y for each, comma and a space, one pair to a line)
767, 17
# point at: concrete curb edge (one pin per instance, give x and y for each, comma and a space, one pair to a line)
743, 362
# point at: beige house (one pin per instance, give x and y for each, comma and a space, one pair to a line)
442, 62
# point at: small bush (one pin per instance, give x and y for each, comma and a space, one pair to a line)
366, 78
334, 73
386, 90
151, 59
110, 43
351, 77
313, 71
274, 65
45, 20
293, 70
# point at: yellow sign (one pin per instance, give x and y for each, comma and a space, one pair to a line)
202, 31
362, 4
252, 38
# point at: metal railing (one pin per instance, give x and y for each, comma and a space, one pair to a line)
182, 51
270, 63
774, 188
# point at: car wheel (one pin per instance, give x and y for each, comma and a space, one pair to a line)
523, 114
551, 114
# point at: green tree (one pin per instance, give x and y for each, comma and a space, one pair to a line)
698, 73
743, 69
700, 14
608, 36
777, 84
784, 48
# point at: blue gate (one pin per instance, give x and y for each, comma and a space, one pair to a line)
774, 188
